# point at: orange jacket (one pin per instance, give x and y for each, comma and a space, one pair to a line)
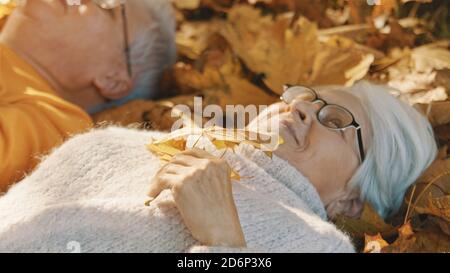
33, 118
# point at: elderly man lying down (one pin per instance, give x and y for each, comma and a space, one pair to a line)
341, 146
60, 61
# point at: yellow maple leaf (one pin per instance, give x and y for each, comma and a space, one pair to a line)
374, 244
221, 82
6, 8
193, 37
187, 4
287, 52
405, 230
220, 138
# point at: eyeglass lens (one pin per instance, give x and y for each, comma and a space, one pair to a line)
332, 116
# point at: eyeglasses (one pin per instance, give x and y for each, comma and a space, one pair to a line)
111, 4
332, 116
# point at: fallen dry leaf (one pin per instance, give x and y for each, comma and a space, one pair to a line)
292, 54
221, 81
187, 4
214, 140
438, 113
417, 74
374, 244
435, 182
439, 207
427, 239
5, 10
435, 56
194, 37
231, 53
370, 223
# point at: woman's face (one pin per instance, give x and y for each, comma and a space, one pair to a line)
327, 157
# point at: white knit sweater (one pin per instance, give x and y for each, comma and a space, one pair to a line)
89, 196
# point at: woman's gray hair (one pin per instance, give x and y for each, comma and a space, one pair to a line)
152, 52
402, 147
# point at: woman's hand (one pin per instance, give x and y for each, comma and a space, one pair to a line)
201, 187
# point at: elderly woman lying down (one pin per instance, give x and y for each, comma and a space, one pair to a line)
342, 146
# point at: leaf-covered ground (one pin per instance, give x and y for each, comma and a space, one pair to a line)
243, 51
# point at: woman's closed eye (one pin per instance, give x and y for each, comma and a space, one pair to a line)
332, 123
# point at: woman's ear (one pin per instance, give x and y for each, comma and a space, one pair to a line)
112, 87
349, 204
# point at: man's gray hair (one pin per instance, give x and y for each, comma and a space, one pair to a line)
152, 52
154, 49
402, 147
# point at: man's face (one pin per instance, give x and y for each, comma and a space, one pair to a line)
80, 48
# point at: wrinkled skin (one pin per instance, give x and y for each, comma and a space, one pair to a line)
201, 185
79, 67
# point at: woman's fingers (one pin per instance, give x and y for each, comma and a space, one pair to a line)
184, 160
181, 165
162, 182
191, 158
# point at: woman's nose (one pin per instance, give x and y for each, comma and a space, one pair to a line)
304, 109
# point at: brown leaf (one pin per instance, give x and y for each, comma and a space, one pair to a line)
292, 54
427, 239
405, 241
443, 133
187, 4
435, 181
5, 10
438, 113
194, 37
421, 75
237, 91
442, 224
435, 56
384, 8
337, 55
369, 223
374, 244
221, 82
439, 207
269, 47
146, 114
405, 230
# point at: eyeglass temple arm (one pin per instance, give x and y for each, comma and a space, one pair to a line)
126, 38
360, 143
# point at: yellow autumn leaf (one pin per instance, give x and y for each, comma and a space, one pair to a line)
292, 53
6, 8
163, 149
271, 47
220, 138
374, 244
434, 56
194, 37
438, 206
221, 82
187, 4
405, 230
